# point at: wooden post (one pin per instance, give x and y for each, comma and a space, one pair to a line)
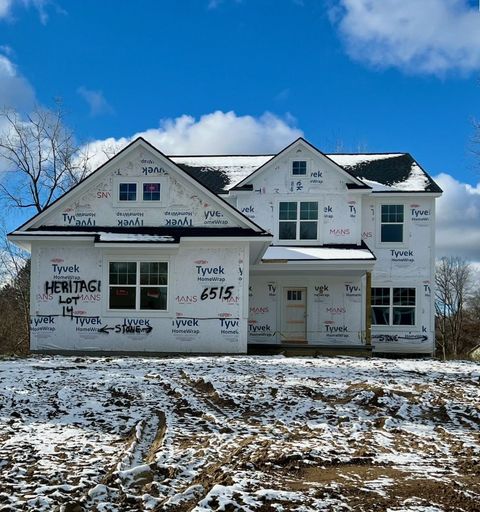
368, 310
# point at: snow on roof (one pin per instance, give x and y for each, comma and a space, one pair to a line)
133, 237
236, 168
316, 253
384, 172
417, 180
352, 160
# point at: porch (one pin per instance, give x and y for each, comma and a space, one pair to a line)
311, 300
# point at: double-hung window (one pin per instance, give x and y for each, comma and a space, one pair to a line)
138, 285
299, 168
393, 306
298, 220
151, 191
391, 223
127, 192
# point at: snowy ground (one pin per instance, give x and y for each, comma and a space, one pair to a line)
239, 433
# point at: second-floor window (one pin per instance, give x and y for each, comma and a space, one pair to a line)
298, 220
299, 168
127, 192
393, 306
151, 191
391, 223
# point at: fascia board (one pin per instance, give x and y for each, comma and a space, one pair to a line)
135, 245
333, 264
405, 193
227, 238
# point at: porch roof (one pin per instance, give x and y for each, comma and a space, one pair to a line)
277, 254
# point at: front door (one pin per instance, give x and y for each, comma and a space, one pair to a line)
294, 329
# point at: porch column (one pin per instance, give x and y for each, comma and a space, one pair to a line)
368, 309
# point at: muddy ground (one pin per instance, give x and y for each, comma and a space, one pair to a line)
239, 433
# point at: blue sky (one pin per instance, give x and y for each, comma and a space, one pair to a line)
368, 75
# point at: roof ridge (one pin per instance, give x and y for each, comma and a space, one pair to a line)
273, 154
372, 153
209, 156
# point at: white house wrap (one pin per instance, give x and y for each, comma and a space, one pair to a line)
207, 254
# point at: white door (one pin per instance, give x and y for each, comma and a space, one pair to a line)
294, 328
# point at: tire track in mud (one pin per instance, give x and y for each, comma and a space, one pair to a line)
148, 437
126, 481
197, 403
188, 401
230, 457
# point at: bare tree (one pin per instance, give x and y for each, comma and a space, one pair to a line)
14, 298
41, 157
39, 160
452, 285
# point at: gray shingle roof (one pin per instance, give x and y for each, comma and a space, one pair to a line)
384, 172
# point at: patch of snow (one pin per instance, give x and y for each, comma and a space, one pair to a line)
417, 180
316, 253
134, 237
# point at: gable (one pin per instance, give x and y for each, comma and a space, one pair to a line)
172, 198
319, 172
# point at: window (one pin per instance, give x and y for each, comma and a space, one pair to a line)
294, 295
392, 223
127, 192
298, 221
151, 191
393, 306
138, 285
147, 192
299, 168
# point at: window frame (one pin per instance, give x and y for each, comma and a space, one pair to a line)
140, 182
123, 258
298, 222
379, 224
391, 306
127, 201
307, 166
160, 194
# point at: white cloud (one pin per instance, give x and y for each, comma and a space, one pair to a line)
15, 93
41, 6
5, 6
96, 101
418, 36
215, 133
15, 90
458, 219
